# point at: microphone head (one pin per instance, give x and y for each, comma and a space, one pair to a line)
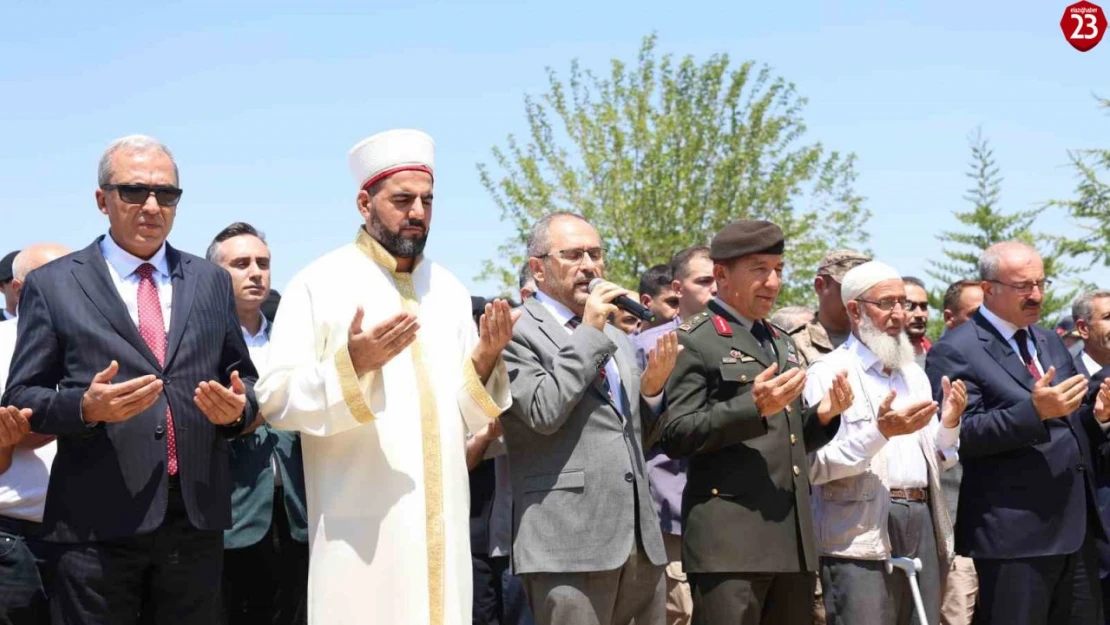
593, 284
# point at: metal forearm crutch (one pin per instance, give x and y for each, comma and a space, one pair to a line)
910, 568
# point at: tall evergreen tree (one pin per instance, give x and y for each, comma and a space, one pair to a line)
986, 224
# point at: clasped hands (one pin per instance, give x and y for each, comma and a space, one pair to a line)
773, 393
108, 402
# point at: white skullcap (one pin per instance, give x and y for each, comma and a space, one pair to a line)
389, 152
861, 278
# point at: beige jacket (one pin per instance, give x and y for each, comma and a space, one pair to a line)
850, 498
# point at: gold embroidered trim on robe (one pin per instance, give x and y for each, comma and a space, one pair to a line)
435, 531
348, 383
477, 390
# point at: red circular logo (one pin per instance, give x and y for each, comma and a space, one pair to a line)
1083, 25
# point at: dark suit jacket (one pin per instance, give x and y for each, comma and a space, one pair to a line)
746, 505
1027, 488
252, 476
1080, 366
110, 481
252, 497
1101, 457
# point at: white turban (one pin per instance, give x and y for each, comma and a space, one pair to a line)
389, 152
861, 278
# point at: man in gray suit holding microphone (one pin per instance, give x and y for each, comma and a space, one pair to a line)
586, 539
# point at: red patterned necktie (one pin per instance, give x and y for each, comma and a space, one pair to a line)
152, 328
1026, 357
573, 323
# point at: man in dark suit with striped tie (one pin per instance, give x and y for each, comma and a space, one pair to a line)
130, 352
1027, 511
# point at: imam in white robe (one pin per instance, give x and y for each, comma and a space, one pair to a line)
385, 467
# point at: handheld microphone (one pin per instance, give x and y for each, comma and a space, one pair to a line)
626, 303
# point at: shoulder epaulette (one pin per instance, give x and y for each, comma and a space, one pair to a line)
688, 325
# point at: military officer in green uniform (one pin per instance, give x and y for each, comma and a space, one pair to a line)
736, 412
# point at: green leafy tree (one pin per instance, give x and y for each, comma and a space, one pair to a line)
1091, 205
986, 224
661, 155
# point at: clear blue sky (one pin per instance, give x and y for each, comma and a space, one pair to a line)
261, 101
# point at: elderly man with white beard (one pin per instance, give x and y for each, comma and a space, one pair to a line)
876, 484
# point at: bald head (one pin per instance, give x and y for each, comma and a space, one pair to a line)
35, 256
31, 258
1013, 282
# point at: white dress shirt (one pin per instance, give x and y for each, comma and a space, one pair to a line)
122, 265
563, 315
858, 439
258, 345
1092, 366
23, 485
1007, 330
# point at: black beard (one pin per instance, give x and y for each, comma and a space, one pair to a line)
393, 242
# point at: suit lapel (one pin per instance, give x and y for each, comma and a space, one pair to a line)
780, 348
184, 287
547, 324
624, 394
1042, 348
1000, 350
91, 271
557, 334
742, 338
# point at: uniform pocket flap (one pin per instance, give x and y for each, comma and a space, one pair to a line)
568, 480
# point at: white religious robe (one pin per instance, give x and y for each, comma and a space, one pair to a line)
384, 454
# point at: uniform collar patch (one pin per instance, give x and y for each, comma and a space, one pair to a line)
722, 326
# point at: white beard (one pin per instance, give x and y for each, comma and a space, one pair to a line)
894, 352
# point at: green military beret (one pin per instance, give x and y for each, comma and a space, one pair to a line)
746, 236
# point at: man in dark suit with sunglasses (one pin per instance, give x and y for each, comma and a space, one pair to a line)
130, 352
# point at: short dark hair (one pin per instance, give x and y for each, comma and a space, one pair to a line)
655, 279
954, 291
680, 262
914, 281
237, 229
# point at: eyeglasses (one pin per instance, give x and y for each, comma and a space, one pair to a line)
887, 304
165, 195
912, 306
596, 254
1026, 287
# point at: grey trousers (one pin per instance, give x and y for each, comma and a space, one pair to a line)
861, 592
634, 594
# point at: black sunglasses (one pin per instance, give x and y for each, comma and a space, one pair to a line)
138, 193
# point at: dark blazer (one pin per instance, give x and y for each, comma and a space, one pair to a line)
252, 476
1101, 457
1027, 485
110, 481
1080, 366
579, 480
746, 505
252, 497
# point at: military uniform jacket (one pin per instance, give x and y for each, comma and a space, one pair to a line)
746, 505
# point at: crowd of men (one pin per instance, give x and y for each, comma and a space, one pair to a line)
173, 449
